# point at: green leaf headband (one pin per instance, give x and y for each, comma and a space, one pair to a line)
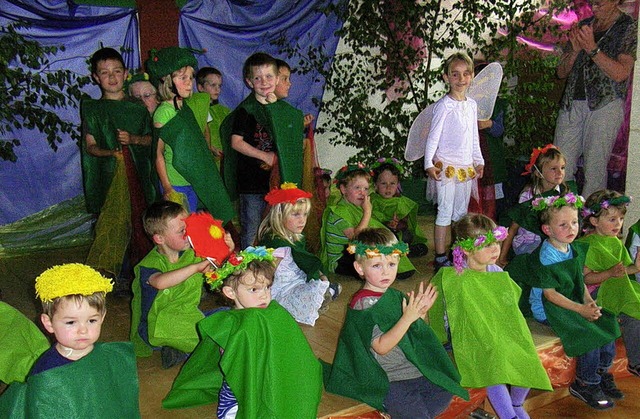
390, 161
570, 199
471, 244
345, 170
605, 204
238, 262
361, 249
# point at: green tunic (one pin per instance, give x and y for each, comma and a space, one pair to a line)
355, 372
21, 344
193, 160
285, 126
267, 362
173, 315
491, 341
402, 207
305, 260
618, 295
103, 384
102, 118
577, 334
218, 113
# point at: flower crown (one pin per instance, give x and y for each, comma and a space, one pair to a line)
605, 204
345, 170
288, 192
528, 168
557, 201
238, 262
471, 244
70, 279
388, 160
358, 248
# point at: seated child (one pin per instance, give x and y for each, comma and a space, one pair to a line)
299, 284
254, 359
398, 213
77, 377
587, 331
387, 355
209, 80
346, 219
167, 288
608, 267
477, 300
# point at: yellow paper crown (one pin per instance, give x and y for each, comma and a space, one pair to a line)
70, 279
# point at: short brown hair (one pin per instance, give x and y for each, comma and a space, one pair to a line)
96, 300
254, 270
156, 217
472, 225
374, 237
256, 60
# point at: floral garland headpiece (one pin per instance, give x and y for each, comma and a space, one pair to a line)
557, 201
471, 244
605, 204
70, 279
238, 262
345, 170
528, 168
388, 160
358, 248
134, 78
288, 192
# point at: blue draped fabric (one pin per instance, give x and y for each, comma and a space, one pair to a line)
41, 177
232, 30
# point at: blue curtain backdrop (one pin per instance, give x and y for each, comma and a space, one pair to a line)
232, 30
41, 177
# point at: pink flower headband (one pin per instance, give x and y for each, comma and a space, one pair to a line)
471, 244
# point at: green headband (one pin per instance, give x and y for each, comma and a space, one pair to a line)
238, 262
570, 199
361, 249
606, 204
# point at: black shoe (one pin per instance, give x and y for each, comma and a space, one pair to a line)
171, 357
405, 275
437, 265
417, 250
336, 289
591, 395
609, 387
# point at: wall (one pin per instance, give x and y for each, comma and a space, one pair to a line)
158, 25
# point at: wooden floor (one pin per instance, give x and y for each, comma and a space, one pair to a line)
16, 283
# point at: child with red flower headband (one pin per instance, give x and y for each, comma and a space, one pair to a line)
508, 352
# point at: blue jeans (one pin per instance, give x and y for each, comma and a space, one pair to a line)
251, 208
590, 365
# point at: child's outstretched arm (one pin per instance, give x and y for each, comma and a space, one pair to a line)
169, 279
414, 308
589, 310
593, 277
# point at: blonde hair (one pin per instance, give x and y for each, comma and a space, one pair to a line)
96, 300
166, 88
551, 155
458, 56
275, 220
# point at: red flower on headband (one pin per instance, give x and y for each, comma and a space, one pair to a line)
528, 168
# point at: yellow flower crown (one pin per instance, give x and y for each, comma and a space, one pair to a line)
70, 279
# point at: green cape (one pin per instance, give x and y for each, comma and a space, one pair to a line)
192, 158
103, 384
400, 206
577, 334
174, 312
21, 344
218, 113
101, 119
305, 260
491, 341
355, 372
285, 126
618, 295
267, 362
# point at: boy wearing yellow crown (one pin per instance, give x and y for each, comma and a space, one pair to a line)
76, 377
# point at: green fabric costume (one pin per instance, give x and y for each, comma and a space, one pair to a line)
305, 260
192, 158
577, 334
286, 128
400, 206
103, 384
174, 312
355, 372
218, 113
634, 229
267, 362
335, 219
491, 341
102, 118
618, 295
21, 344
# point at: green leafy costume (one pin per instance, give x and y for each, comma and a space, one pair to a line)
218, 113
305, 260
267, 362
103, 384
173, 315
577, 334
491, 341
285, 126
402, 207
618, 295
355, 372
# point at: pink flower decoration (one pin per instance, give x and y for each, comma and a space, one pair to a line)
458, 259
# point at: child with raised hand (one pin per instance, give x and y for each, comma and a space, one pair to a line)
608, 267
299, 284
183, 160
452, 159
78, 376
254, 359
387, 355
586, 331
478, 299
346, 219
397, 212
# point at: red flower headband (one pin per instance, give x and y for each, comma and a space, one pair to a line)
288, 192
528, 168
